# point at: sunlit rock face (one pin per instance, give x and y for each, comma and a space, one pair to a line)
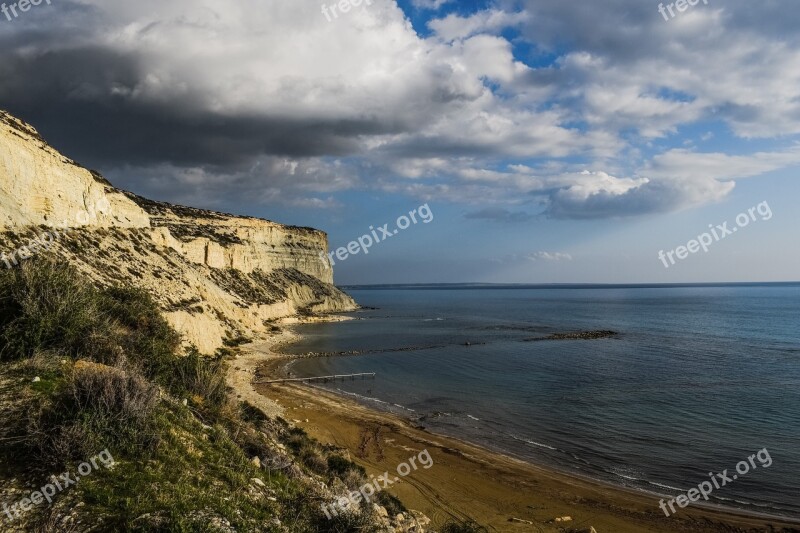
215, 275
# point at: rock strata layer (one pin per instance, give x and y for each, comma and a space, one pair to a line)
216, 276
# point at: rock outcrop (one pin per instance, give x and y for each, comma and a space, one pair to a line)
216, 276
578, 335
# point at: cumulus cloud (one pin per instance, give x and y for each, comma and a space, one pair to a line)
603, 196
216, 86
455, 26
267, 100
630, 68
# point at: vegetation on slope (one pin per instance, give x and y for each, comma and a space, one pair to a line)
84, 369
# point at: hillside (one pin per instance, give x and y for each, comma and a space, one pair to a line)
215, 276
113, 310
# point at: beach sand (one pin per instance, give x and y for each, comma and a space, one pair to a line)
467, 481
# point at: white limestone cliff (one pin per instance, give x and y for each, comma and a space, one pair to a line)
215, 275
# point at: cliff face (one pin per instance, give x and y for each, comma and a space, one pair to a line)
215, 275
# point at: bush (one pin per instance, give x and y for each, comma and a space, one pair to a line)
50, 306
47, 306
345, 522
392, 505
141, 331
252, 414
96, 408
199, 378
109, 399
340, 467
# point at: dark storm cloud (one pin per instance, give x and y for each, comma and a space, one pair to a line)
70, 96
268, 101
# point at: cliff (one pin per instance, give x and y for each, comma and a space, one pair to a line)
216, 276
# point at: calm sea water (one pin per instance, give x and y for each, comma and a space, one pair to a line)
699, 379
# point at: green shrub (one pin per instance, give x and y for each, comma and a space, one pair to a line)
250, 413
172, 469
199, 378
345, 522
96, 407
46, 306
50, 306
339, 466
234, 340
143, 334
392, 505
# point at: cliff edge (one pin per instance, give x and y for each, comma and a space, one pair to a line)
217, 277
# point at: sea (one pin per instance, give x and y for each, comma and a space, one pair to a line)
698, 378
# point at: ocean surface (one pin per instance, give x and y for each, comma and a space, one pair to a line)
699, 378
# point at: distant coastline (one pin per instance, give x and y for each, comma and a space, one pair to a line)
533, 286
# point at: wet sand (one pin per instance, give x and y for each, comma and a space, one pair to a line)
468, 481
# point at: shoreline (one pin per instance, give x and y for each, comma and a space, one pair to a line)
471, 481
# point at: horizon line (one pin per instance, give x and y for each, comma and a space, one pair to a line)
566, 285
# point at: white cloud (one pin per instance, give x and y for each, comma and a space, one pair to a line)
548, 256
430, 4
269, 98
688, 165
454, 26
535, 257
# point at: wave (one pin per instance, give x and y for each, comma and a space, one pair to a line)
668, 487
534, 443
310, 355
361, 396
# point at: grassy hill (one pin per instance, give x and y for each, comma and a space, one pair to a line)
86, 369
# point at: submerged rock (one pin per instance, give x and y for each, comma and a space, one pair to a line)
578, 335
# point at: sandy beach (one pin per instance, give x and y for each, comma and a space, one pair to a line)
468, 481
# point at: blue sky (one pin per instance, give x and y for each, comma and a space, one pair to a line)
553, 141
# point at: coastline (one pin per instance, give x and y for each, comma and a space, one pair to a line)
467, 480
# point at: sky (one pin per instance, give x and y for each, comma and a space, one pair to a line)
551, 141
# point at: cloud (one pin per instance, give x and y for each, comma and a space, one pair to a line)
430, 4
499, 214
212, 89
535, 257
628, 68
548, 256
265, 99
454, 26
304, 183
641, 197
687, 165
